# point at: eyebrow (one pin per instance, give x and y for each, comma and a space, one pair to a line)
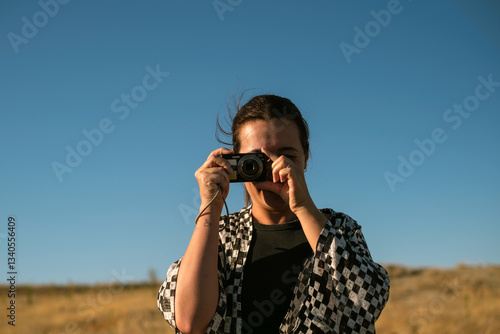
281, 150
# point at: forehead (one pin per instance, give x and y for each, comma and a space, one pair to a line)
274, 134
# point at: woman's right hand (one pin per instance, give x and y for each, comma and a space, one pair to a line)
212, 175
197, 287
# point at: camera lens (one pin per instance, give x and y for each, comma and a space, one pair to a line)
250, 167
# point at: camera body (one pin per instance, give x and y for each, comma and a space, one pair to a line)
247, 167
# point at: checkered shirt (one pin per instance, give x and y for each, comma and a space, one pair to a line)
340, 288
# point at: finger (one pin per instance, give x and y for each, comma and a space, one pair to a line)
282, 162
270, 154
207, 176
274, 158
276, 173
284, 173
220, 151
212, 178
215, 160
278, 165
221, 162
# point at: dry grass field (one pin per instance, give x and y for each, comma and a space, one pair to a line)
462, 300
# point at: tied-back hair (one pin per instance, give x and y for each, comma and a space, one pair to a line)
273, 108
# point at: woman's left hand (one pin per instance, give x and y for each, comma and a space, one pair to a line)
288, 181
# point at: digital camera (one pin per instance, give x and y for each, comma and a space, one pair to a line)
247, 167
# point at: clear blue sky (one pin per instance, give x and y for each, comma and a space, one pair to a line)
371, 77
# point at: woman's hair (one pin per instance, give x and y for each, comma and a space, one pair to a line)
268, 108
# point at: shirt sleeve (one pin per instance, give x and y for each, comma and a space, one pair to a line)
342, 289
166, 297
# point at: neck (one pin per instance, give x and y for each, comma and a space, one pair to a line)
267, 216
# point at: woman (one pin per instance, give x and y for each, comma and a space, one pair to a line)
279, 265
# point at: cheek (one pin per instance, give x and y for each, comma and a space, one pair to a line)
302, 161
252, 189
301, 164
249, 187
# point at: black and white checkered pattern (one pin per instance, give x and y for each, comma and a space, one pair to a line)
340, 290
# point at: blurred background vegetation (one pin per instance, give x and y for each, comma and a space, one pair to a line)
464, 299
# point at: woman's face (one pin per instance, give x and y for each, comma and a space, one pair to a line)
280, 136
